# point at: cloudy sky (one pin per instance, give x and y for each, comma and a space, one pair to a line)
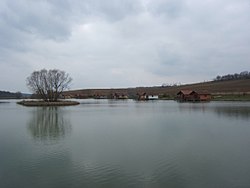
123, 43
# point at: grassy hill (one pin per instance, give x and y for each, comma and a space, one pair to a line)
224, 90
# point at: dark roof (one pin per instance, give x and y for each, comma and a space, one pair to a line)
203, 93
189, 92
185, 92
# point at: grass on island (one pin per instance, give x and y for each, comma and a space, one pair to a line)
44, 103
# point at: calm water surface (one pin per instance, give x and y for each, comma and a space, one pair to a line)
103, 143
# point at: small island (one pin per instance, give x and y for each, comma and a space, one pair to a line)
44, 103
48, 86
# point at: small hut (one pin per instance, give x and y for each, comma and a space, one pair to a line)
190, 95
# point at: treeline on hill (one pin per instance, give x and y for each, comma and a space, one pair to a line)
236, 76
9, 95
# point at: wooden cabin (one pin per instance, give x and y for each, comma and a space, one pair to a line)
184, 95
190, 95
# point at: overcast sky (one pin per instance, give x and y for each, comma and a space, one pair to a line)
123, 43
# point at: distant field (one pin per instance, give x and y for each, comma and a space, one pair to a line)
218, 89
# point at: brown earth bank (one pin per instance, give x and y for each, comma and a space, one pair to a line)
43, 103
218, 89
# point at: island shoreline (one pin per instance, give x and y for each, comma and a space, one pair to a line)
34, 103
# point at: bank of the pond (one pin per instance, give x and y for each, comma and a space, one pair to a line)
227, 97
234, 97
44, 103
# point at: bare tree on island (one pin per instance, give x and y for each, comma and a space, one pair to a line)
49, 84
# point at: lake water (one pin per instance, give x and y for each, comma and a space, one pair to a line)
102, 143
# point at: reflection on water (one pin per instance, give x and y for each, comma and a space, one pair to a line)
48, 123
221, 109
238, 112
3, 102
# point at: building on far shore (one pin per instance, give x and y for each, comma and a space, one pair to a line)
99, 96
204, 96
190, 95
119, 96
145, 96
153, 97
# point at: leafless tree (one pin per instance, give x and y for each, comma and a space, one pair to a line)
49, 84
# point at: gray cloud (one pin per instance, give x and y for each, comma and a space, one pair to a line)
37, 18
118, 43
168, 8
113, 10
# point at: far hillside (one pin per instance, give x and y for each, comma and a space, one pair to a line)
225, 87
216, 87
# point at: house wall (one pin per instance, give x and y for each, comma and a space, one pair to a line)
153, 97
205, 97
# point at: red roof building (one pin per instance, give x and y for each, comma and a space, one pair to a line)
190, 95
